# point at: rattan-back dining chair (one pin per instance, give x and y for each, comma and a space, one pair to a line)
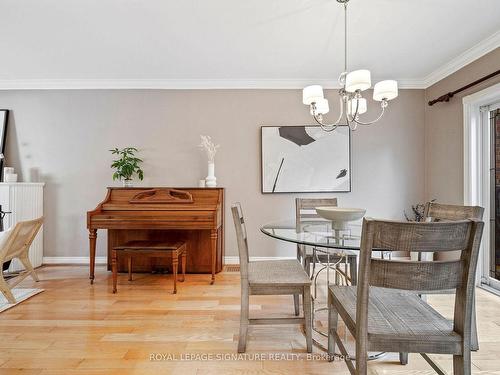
277, 277
384, 311
434, 212
447, 212
305, 213
17, 245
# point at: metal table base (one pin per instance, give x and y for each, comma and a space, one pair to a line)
339, 275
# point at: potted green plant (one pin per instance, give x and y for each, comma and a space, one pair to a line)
127, 165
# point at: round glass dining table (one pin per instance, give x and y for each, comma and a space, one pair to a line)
316, 233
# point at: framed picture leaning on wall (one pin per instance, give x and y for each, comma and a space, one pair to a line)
305, 159
4, 118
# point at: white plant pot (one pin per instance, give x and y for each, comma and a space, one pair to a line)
211, 180
128, 183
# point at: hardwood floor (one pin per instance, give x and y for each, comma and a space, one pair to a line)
76, 328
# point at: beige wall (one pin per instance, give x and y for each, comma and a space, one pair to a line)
64, 137
444, 129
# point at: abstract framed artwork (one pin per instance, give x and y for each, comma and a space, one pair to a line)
305, 159
4, 117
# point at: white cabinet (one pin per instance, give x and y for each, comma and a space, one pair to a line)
25, 201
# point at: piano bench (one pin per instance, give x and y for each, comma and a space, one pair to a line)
150, 249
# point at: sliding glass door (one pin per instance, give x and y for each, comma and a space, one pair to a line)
491, 118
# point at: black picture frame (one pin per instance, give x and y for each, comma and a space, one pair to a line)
4, 121
302, 192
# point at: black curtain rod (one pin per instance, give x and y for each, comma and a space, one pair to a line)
446, 97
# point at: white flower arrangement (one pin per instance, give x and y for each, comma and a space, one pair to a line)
209, 146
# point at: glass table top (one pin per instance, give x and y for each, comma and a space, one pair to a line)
317, 233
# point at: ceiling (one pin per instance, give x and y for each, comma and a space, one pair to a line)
233, 43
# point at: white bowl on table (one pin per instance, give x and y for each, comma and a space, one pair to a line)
340, 216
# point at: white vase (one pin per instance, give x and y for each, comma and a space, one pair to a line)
210, 180
10, 177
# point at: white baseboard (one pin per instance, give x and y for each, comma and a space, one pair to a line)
103, 260
73, 260
236, 260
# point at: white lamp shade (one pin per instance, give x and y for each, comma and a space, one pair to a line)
385, 90
358, 80
361, 105
312, 94
322, 107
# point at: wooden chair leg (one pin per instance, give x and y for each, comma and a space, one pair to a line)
307, 265
175, 268
5, 289
403, 358
353, 270
474, 340
296, 304
242, 340
114, 268
306, 302
333, 321
301, 254
462, 364
29, 267
183, 264
130, 268
361, 357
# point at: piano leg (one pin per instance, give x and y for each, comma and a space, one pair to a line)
92, 243
114, 267
213, 240
183, 263
175, 267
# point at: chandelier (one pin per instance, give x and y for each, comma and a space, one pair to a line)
352, 103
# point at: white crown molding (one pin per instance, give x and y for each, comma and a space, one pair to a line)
156, 84
178, 84
482, 48
410, 84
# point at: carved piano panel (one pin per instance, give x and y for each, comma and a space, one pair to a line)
162, 195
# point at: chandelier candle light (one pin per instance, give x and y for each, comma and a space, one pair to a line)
352, 103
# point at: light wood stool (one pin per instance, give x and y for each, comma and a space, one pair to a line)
151, 249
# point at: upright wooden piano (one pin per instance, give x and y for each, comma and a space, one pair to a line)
194, 215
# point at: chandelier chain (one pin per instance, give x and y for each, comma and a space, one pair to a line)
345, 37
